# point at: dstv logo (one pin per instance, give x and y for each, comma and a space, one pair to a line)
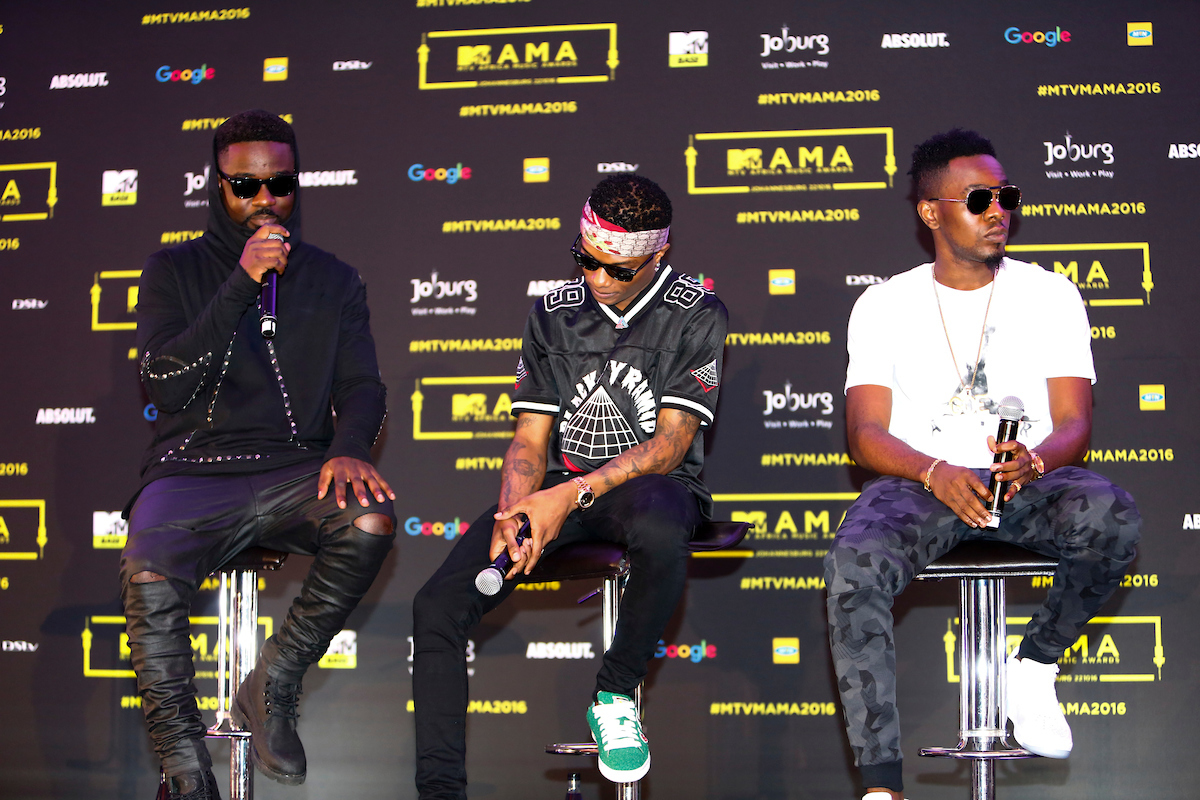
864, 280
616, 166
785, 650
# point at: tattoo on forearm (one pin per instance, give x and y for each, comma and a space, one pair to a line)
659, 455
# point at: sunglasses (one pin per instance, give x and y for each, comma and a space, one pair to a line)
585, 261
245, 188
978, 200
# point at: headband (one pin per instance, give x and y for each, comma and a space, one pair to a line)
615, 240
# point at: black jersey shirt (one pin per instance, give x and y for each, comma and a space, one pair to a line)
605, 375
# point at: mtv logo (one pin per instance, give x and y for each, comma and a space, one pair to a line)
119, 180
757, 520
687, 42
750, 158
108, 530
474, 55
345, 643
468, 406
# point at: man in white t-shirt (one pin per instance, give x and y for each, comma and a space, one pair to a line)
932, 352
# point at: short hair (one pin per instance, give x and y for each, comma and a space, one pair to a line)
255, 125
931, 157
631, 201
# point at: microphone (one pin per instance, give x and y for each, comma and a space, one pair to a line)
491, 578
267, 321
1011, 410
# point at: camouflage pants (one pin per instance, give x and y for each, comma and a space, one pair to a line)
895, 529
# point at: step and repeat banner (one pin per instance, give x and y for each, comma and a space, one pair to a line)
446, 149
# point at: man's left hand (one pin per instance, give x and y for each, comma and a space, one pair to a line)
1018, 472
547, 510
362, 477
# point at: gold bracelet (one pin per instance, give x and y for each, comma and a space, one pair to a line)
929, 473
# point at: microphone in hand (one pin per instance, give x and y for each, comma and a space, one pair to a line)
1011, 411
491, 578
267, 322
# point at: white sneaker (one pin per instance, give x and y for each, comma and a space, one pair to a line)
1038, 723
877, 796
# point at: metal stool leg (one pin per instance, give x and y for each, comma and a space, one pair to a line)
237, 646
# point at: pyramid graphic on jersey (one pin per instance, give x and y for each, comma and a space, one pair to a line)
707, 375
597, 431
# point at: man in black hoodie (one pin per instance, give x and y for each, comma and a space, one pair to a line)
245, 450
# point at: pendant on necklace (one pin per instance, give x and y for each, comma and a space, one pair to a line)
960, 405
621, 324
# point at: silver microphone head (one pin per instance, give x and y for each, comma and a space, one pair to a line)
278, 236
1011, 408
489, 581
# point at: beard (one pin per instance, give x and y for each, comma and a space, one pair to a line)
993, 260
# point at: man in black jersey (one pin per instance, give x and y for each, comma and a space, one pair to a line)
618, 373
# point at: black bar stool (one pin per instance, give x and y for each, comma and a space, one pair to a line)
609, 561
981, 568
237, 650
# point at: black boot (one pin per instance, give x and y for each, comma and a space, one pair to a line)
341, 573
160, 648
266, 707
193, 786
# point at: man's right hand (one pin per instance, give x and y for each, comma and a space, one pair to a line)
504, 536
261, 254
962, 492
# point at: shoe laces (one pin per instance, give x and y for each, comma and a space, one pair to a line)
281, 699
618, 725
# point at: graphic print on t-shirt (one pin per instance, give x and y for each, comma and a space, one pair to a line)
707, 375
598, 430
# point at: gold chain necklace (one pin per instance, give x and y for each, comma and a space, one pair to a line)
958, 403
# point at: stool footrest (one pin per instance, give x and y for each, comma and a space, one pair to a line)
573, 749
973, 750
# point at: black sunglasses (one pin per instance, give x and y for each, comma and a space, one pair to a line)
245, 188
978, 200
585, 261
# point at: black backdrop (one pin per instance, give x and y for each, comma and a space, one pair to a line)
375, 89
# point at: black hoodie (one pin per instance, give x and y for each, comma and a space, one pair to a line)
230, 401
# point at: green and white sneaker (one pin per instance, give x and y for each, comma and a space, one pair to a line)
616, 729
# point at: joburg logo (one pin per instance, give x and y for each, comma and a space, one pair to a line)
415, 526
686, 652
1139, 34
687, 49
343, 66
203, 72
536, 170
79, 80
118, 187
195, 182
1074, 152
787, 400
788, 43
1048, 38
1152, 397
451, 175
439, 289
898, 40
275, 69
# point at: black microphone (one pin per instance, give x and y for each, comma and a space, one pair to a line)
491, 578
1011, 411
266, 323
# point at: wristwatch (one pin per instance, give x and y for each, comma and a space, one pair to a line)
586, 496
1039, 467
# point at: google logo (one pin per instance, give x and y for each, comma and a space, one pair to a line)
414, 526
418, 172
1048, 38
688, 652
202, 73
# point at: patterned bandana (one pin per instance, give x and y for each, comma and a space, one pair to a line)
615, 240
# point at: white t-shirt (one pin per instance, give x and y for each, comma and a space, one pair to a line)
1037, 328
